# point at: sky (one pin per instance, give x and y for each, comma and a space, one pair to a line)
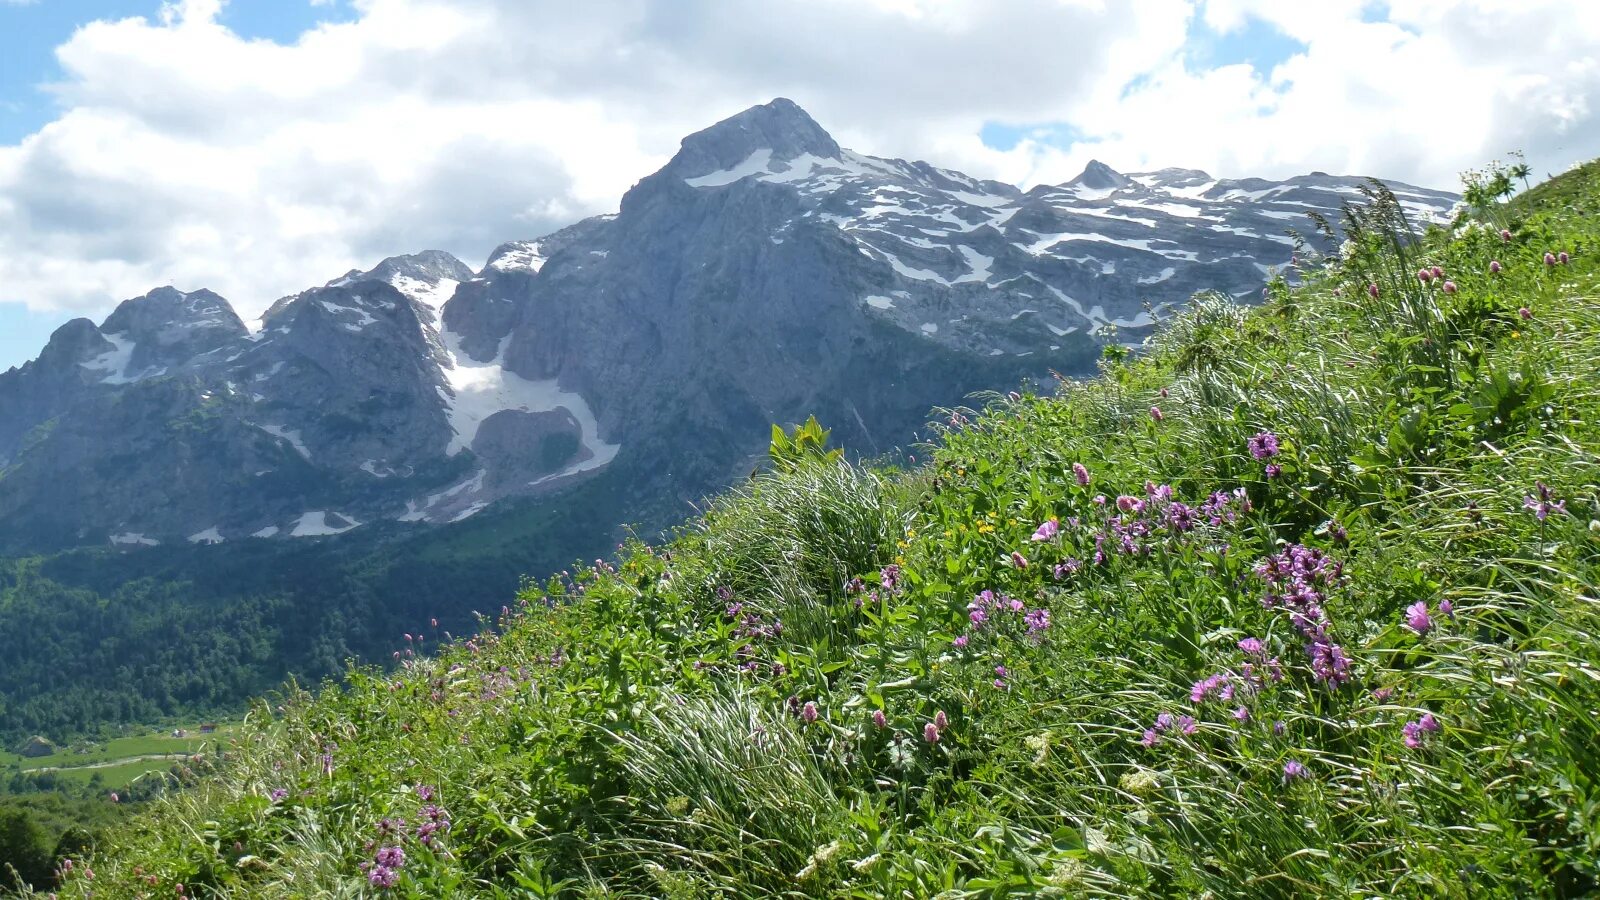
257, 147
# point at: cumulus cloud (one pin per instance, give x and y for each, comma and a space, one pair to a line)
186, 154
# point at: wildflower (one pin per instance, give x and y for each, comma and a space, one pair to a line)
1412, 734
1278, 728
1417, 618
940, 720
1423, 275
1067, 872
1525, 313
1264, 445
1273, 470
960, 641
1063, 569
1372, 290
1155, 413
1040, 745
866, 863
1293, 770
890, 577
1220, 684
1505, 235
1253, 646
1081, 473
1494, 266
424, 793
1129, 504
879, 720
1382, 694
1241, 714
930, 733
1543, 505
278, 794
1037, 620
1449, 287
1018, 560
1562, 257
1047, 531
1447, 609
1162, 393
1550, 259
808, 713
1437, 272
1139, 782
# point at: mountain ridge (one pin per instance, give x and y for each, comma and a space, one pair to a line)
763, 273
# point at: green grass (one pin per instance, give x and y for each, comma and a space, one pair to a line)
792, 698
154, 743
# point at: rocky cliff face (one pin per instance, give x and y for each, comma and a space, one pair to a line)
764, 274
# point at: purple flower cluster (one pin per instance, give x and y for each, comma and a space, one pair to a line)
1298, 580
1048, 530
1068, 566
1138, 519
1220, 685
1165, 724
1263, 446
435, 823
1294, 770
384, 870
1414, 731
998, 612
1544, 503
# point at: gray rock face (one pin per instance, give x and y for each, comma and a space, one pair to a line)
762, 275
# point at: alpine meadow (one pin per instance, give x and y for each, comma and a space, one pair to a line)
1298, 599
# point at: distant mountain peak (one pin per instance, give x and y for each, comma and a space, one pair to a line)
1099, 176
780, 127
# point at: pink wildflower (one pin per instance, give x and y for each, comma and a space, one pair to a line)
1417, 618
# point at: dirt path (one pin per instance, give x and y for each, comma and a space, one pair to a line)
106, 764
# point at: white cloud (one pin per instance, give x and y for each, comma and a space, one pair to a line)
186, 154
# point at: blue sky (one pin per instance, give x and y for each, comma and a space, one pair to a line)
29, 34
205, 156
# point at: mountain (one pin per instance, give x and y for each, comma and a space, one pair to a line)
764, 274
1321, 638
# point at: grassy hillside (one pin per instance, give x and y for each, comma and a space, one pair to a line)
1301, 603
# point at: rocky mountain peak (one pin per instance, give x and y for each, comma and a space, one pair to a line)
1099, 176
428, 266
781, 129
165, 308
76, 341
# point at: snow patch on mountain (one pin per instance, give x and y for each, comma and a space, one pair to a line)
317, 524
479, 390
290, 435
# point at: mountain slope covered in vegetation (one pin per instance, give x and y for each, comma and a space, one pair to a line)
1300, 603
